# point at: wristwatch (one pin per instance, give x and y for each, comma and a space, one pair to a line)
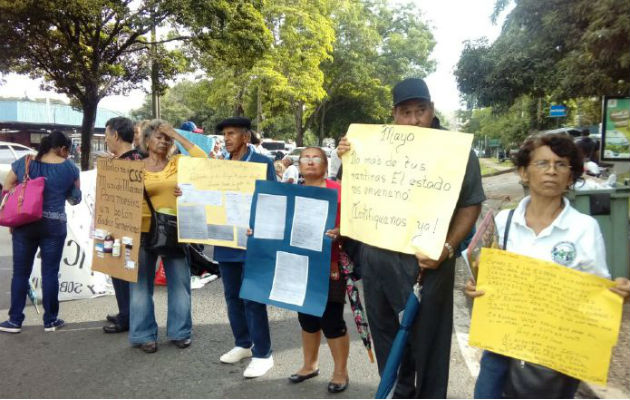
451, 250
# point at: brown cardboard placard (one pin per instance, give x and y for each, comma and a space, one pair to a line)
118, 211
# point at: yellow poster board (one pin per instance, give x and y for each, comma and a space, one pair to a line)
118, 217
545, 313
216, 200
401, 184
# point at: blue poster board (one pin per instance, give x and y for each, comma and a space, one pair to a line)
206, 143
287, 262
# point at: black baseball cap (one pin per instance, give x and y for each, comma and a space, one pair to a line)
239, 122
410, 88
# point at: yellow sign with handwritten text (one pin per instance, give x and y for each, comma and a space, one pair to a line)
547, 314
401, 184
216, 200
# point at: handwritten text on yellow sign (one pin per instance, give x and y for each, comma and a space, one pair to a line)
544, 313
401, 184
215, 205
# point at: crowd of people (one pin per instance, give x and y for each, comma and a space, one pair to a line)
548, 164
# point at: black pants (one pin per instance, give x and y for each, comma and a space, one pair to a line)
388, 279
331, 322
121, 289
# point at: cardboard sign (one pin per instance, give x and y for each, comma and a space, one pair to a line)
545, 313
118, 212
401, 184
216, 200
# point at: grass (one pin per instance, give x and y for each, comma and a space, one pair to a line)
491, 165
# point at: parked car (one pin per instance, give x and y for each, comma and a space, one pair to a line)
10, 152
295, 154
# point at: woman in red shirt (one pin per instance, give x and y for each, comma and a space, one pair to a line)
314, 167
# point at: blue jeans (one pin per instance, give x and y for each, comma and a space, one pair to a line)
493, 371
142, 325
121, 289
248, 319
50, 236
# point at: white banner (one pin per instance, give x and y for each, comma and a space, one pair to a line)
76, 278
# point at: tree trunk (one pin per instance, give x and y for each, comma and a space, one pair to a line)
87, 130
322, 124
239, 111
258, 110
299, 111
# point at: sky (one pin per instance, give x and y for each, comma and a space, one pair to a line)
452, 22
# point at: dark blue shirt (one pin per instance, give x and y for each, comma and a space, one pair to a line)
228, 254
60, 180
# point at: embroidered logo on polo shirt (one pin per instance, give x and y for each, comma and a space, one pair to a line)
564, 253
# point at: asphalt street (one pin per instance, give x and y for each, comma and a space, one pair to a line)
80, 361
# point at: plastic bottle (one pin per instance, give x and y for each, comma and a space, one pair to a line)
116, 248
108, 243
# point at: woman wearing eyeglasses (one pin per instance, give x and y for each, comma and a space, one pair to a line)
314, 167
545, 226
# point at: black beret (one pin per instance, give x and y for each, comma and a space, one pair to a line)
239, 122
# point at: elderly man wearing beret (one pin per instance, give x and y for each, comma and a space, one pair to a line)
248, 319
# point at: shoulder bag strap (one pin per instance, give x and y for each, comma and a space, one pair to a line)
507, 228
27, 166
148, 199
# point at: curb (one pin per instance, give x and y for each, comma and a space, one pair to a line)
504, 171
599, 392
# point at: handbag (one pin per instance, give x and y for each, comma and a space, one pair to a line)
162, 237
23, 204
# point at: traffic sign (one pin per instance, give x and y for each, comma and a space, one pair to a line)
558, 111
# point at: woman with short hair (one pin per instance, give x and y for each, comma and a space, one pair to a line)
160, 183
544, 225
314, 168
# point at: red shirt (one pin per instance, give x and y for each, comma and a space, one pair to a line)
334, 254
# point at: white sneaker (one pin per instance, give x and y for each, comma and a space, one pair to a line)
235, 355
258, 367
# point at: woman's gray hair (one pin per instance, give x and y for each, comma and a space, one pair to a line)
150, 127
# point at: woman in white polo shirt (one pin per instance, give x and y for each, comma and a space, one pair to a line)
545, 226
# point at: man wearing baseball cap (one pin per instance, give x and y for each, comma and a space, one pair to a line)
389, 276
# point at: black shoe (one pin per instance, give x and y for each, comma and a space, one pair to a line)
115, 328
337, 387
295, 378
149, 347
112, 318
182, 343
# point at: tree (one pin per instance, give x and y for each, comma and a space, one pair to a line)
89, 49
564, 49
184, 101
375, 47
290, 72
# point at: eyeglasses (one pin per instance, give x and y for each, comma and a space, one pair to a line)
315, 160
544, 165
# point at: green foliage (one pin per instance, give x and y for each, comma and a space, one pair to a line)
376, 47
564, 49
88, 49
185, 101
510, 127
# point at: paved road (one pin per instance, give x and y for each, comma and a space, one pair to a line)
81, 361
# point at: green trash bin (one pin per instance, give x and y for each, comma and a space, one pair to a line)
610, 208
